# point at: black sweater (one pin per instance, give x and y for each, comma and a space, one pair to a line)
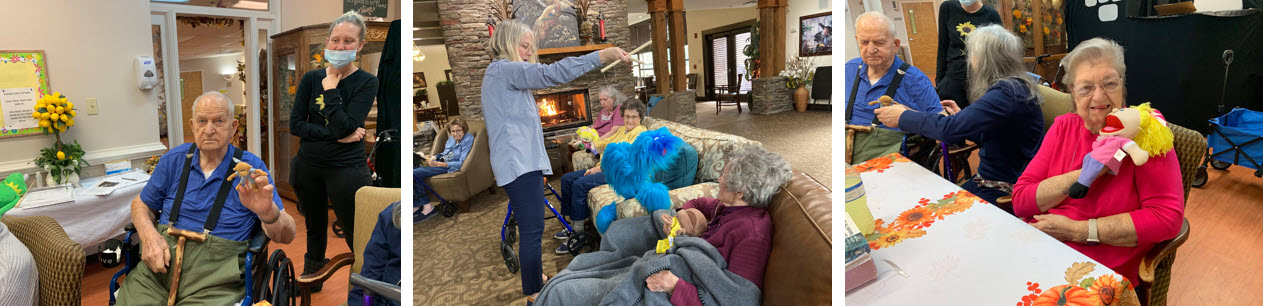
319, 127
951, 42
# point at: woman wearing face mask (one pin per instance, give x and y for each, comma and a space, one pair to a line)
328, 117
958, 18
518, 159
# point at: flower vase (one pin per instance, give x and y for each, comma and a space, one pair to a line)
800, 98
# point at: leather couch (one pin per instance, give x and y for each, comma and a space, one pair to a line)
475, 173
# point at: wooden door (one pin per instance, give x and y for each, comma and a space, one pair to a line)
922, 35
190, 88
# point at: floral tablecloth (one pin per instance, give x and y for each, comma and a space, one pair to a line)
957, 249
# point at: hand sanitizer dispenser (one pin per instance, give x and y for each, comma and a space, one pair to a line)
146, 73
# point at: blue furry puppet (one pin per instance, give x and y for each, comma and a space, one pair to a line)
629, 168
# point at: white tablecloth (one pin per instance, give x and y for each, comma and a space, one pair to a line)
960, 250
90, 219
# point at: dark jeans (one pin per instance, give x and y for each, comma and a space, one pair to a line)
526, 198
316, 187
988, 194
954, 89
574, 193
419, 195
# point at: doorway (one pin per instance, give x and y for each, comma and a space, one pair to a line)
190, 88
922, 32
725, 61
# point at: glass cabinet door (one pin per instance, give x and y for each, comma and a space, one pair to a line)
286, 146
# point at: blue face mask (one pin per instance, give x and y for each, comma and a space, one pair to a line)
967, 2
339, 58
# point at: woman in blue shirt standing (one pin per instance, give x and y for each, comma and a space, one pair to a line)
455, 150
518, 159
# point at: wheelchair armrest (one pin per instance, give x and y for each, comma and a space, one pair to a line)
319, 277
1004, 200
257, 242
389, 291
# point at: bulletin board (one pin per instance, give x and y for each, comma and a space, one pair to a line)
23, 81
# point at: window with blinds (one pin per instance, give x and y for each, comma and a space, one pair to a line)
742, 40
719, 52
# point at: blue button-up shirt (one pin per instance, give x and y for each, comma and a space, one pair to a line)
235, 221
915, 91
454, 153
516, 135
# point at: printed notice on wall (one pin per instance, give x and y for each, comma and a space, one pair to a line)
18, 105
373, 10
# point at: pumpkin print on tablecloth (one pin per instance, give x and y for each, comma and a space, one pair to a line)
1064, 295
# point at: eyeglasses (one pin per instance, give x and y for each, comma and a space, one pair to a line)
454, 131
1109, 85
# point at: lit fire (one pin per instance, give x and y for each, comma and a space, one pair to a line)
548, 108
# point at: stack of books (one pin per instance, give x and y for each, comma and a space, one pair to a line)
859, 260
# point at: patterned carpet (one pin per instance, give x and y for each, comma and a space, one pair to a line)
457, 260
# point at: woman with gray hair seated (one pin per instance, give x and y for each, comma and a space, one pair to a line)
610, 116
1005, 118
736, 227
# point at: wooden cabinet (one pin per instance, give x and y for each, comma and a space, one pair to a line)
298, 51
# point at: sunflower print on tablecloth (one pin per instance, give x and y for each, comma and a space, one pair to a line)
912, 222
1103, 290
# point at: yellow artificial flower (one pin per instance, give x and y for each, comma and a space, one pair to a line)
60, 110
69, 105
1017, 14
45, 115
1059, 20
72, 113
965, 28
61, 129
56, 94
61, 155
1022, 28
44, 123
1046, 31
71, 122
36, 115
64, 118
38, 106
63, 100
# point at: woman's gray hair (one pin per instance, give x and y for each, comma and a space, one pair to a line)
1093, 50
355, 19
634, 105
507, 36
757, 173
222, 99
998, 54
613, 92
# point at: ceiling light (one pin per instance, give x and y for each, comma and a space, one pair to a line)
417, 55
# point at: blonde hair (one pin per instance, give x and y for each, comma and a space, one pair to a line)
506, 39
1154, 136
355, 19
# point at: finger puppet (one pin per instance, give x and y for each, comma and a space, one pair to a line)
243, 169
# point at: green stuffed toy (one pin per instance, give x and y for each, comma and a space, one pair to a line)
11, 193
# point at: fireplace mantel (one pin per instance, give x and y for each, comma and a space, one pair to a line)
571, 50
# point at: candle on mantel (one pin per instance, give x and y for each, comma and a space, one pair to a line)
601, 18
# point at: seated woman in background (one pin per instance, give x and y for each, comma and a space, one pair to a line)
575, 185
1005, 117
610, 116
736, 226
1124, 214
450, 160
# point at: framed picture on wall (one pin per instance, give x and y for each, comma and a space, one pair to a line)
418, 80
815, 34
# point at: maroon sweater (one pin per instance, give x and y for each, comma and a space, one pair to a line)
743, 236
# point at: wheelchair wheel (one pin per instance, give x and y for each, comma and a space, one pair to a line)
1219, 165
1199, 178
337, 229
580, 242
510, 257
448, 208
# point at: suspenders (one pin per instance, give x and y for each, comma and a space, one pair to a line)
890, 90
220, 198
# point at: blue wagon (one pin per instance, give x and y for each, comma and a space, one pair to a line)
1235, 140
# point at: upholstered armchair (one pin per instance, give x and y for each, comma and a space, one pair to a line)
1155, 268
60, 261
369, 201
475, 173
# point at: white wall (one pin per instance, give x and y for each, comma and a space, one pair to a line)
799, 8
703, 20
302, 13
213, 70
433, 66
1217, 5
90, 48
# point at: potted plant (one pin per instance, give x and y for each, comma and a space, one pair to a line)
799, 72
62, 161
751, 52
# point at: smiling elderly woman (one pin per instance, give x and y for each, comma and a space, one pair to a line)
1124, 214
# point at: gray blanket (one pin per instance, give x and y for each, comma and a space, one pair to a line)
616, 274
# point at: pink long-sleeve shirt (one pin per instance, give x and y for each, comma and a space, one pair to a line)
1152, 194
743, 236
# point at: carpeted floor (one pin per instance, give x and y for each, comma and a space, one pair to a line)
457, 260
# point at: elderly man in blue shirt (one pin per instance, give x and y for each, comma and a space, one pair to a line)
879, 72
190, 187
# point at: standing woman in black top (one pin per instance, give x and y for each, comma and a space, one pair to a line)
328, 117
956, 19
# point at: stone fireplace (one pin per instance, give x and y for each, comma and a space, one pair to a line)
560, 110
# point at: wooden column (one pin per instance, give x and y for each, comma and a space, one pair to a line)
678, 36
658, 34
772, 38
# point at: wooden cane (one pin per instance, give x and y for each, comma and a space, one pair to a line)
850, 138
182, 236
615, 63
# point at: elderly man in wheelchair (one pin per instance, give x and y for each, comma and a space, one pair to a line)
196, 250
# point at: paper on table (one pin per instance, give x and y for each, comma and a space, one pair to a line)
105, 187
18, 105
47, 196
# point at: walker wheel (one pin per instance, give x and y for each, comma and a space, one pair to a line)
337, 229
1200, 177
1219, 165
510, 234
579, 241
448, 208
510, 258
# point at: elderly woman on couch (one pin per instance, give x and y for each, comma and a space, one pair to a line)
1124, 214
718, 255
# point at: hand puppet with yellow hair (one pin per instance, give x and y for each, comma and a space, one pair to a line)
1139, 132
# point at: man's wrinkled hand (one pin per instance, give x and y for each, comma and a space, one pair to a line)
156, 253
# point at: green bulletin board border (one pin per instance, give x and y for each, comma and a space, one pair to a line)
37, 58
